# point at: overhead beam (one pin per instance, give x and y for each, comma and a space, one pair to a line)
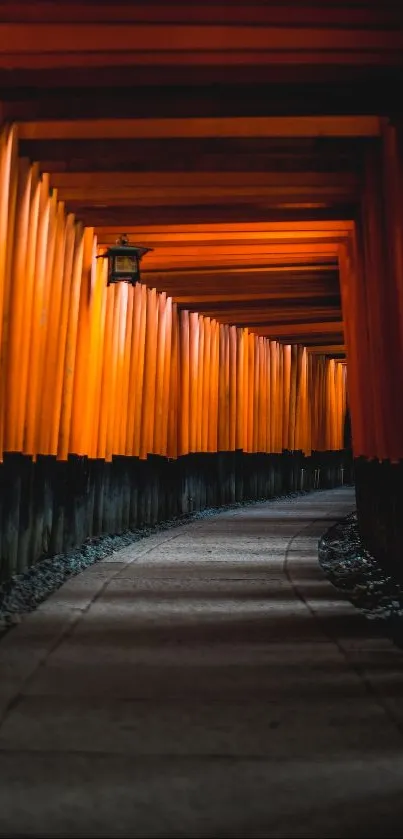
239, 262
242, 286
241, 228
328, 349
278, 317
114, 182
94, 44
289, 13
372, 94
307, 270
243, 240
302, 330
351, 71
286, 277
285, 197
139, 214
308, 126
295, 339
135, 180
210, 252
139, 38
197, 154
210, 301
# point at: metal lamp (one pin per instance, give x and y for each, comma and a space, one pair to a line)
124, 261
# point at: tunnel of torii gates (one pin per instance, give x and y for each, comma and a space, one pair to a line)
262, 164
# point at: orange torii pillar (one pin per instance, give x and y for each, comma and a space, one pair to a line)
372, 294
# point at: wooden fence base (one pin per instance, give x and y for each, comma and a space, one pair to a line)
379, 490
49, 507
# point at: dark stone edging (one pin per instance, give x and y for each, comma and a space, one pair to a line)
362, 579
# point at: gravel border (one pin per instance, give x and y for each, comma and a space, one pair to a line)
376, 593
22, 593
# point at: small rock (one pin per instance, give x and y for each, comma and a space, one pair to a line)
353, 570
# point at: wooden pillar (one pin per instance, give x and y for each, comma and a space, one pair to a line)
193, 378
381, 321
280, 386
12, 406
159, 377
71, 343
273, 396
286, 395
392, 184
122, 415
200, 385
206, 384
150, 366
357, 347
105, 383
97, 337
268, 397
392, 160
114, 364
136, 373
172, 447
226, 417
38, 317
214, 418
184, 390
167, 377
263, 396
251, 390
245, 416
79, 438
232, 387
256, 395
8, 200
221, 389
372, 294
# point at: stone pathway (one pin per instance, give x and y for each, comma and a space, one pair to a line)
205, 682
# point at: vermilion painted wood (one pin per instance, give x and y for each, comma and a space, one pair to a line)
12, 432
108, 351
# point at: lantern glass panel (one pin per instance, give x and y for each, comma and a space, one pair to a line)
125, 264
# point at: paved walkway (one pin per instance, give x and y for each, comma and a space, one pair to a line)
206, 682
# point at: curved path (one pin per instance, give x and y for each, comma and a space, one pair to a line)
205, 682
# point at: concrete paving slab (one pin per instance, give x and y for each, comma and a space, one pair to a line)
207, 681
84, 794
269, 727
